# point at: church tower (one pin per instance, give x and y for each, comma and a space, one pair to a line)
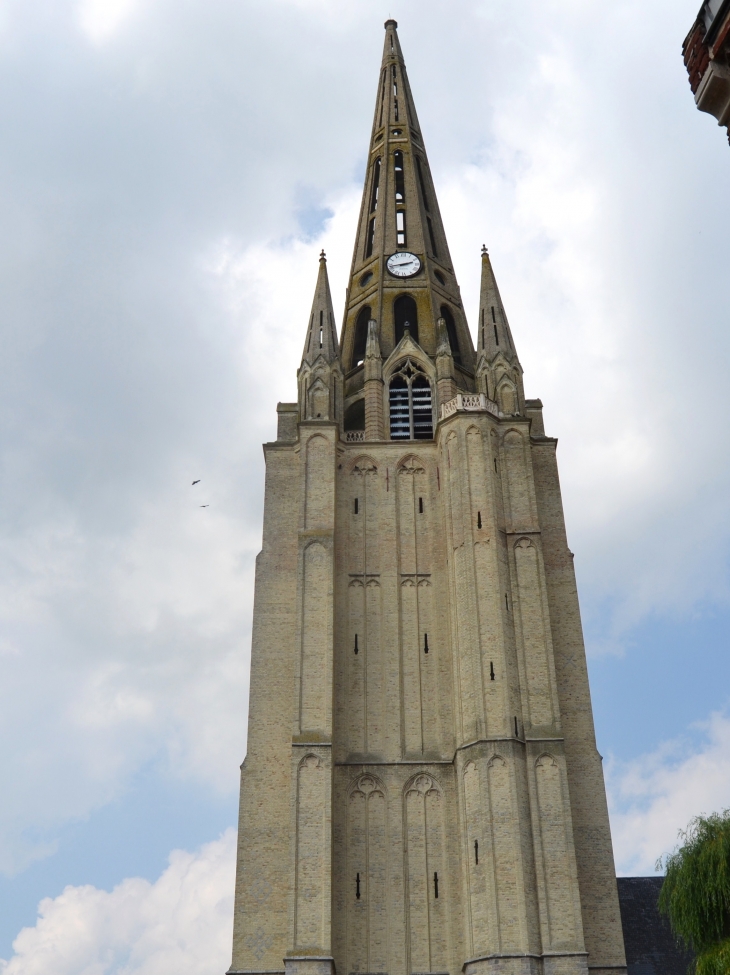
422, 791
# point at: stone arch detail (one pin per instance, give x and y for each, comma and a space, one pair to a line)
367, 784
560, 887
367, 890
424, 819
312, 860
524, 542
363, 465
477, 858
318, 400
410, 464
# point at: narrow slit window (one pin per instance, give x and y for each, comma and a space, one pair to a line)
495, 465
422, 184
496, 336
357, 649
395, 92
436, 885
400, 227
376, 186
479, 519
382, 99
321, 327
311, 330
370, 239
357, 506
357, 886
506, 602
476, 851
420, 506
491, 667
494, 319
517, 732
425, 642
400, 186
434, 249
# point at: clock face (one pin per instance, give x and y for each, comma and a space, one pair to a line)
403, 264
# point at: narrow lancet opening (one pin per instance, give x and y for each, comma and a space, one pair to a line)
422, 184
434, 248
371, 238
361, 336
448, 317
405, 313
375, 186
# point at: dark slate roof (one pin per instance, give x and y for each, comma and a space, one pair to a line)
650, 945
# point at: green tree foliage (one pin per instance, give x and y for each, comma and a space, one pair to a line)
695, 895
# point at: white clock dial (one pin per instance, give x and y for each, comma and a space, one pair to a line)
403, 264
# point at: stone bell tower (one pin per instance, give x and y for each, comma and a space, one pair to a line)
422, 791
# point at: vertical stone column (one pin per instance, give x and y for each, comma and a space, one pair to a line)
445, 381
373, 385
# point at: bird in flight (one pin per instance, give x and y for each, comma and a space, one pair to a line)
196, 482
205, 506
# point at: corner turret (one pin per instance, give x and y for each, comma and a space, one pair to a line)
499, 373
320, 376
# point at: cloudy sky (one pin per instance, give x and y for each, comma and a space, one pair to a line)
169, 172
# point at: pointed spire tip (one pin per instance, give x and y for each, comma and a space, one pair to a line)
322, 256
484, 250
391, 23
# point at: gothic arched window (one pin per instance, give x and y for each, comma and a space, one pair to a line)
361, 336
405, 313
448, 317
411, 409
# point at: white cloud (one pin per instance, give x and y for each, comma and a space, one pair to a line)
181, 923
99, 19
654, 797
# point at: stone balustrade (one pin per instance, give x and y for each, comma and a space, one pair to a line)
469, 402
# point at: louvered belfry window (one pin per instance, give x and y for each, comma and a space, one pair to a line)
411, 408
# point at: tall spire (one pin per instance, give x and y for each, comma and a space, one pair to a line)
321, 333
401, 267
499, 373
494, 331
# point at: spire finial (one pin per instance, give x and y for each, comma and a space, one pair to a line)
484, 250
322, 256
391, 23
